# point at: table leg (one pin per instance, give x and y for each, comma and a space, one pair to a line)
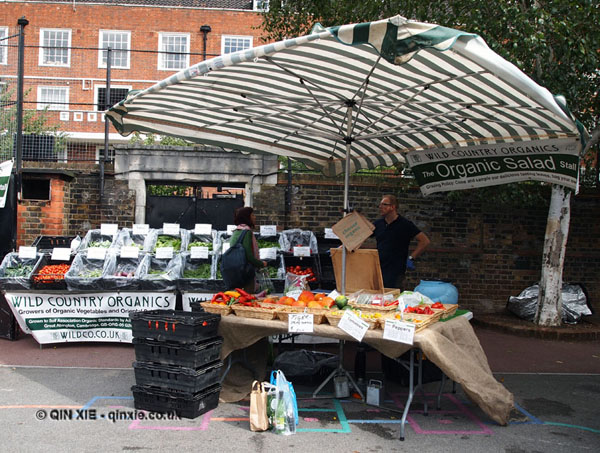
412, 389
340, 371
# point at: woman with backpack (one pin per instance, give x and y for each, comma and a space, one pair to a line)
245, 220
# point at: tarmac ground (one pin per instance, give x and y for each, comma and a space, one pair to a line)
78, 396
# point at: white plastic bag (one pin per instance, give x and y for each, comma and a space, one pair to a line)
283, 405
412, 299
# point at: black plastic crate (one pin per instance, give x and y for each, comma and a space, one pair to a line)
50, 242
185, 405
174, 325
190, 380
193, 355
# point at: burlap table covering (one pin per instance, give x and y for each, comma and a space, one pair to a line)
452, 345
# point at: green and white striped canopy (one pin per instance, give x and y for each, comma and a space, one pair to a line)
388, 91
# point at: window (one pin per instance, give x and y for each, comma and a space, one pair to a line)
116, 40
117, 94
261, 5
174, 51
35, 188
55, 47
3, 45
53, 98
230, 44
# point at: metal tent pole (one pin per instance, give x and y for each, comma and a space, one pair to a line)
340, 370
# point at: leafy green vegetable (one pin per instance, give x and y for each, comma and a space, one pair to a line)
19, 271
168, 241
202, 271
264, 244
201, 244
100, 243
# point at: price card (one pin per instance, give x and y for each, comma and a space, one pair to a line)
301, 251
198, 252
129, 251
402, 332
171, 229
268, 230
96, 253
353, 325
203, 228
300, 323
225, 247
61, 254
140, 228
231, 229
108, 229
329, 234
269, 253
164, 252
27, 252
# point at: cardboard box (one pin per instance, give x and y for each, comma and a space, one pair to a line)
353, 230
362, 270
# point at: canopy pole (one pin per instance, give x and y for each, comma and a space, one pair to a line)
346, 184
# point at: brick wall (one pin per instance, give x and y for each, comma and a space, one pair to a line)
489, 253
75, 205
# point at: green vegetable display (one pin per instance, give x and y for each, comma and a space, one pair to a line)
201, 244
272, 271
168, 241
264, 244
100, 243
20, 271
91, 273
202, 272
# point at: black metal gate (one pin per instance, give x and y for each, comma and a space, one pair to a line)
217, 209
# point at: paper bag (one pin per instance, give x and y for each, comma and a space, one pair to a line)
258, 408
353, 230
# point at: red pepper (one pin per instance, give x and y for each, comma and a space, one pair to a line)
220, 298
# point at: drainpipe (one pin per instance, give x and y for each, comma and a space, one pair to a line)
205, 29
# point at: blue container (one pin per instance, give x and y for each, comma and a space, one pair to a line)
438, 291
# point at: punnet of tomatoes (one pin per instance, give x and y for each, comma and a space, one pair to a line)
302, 270
51, 273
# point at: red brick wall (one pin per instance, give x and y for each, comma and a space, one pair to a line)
144, 23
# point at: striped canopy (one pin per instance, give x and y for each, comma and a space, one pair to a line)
384, 92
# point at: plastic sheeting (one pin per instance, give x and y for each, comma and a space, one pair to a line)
574, 303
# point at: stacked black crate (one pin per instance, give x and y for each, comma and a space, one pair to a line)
177, 367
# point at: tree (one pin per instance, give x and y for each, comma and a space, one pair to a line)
555, 42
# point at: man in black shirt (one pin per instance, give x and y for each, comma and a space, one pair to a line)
394, 234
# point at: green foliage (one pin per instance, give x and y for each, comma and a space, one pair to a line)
169, 191
155, 139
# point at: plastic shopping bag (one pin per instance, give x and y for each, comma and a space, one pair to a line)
283, 406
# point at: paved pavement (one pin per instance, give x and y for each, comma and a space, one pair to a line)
556, 386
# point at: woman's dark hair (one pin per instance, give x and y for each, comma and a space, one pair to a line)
243, 216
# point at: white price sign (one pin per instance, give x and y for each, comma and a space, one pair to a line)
225, 247
96, 253
300, 323
61, 254
171, 229
27, 252
129, 251
164, 253
140, 228
203, 228
301, 251
329, 234
402, 332
108, 229
268, 253
268, 230
231, 229
198, 252
353, 325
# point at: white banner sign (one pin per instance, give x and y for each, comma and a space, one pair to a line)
69, 317
553, 161
187, 298
5, 169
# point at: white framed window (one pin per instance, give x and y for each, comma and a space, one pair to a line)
230, 44
55, 47
53, 98
119, 43
117, 94
174, 51
261, 5
3, 45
